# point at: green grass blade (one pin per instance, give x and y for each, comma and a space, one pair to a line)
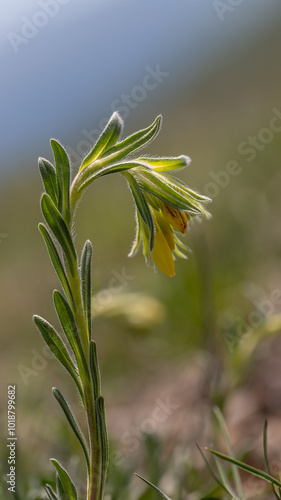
56, 261
142, 205
73, 423
266, 456
212, 472
103, 441
247, 468
155, 488
68, 488
133, 142
63, 177
224, 479
57, 347
59, 229
94, 368
50, 492
48, 175
86, 285
107, 139
69, 327
235, 472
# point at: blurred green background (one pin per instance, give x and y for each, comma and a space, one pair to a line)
203, 337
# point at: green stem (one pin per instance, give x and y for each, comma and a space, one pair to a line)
93, 485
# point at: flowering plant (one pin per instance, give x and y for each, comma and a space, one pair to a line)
164, 206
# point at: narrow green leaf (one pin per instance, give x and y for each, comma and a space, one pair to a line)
133, 142
248, 468
160, 493
69, 327
60, 491
235, 472
86, 284
73, 423
266, 456
108, 138
224, 479
50, 492
69, 489
142, 205
48, 175
265, 447
56, 261
167, 163
57, 347
63, 177
211, 470
103, 441
59, 229
94, 368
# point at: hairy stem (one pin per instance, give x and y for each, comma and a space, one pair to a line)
93, 485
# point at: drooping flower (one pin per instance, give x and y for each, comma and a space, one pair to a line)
164, 207
164, 204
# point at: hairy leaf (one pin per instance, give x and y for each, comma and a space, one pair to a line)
63, 177
59, 229
85, 272
48, 175
73, 423
107, 139
67, 484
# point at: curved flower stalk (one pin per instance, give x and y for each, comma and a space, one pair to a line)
164, 207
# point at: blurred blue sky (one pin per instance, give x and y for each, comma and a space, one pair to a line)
66, 76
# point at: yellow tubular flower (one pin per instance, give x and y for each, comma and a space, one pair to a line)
176, 218
165, 228
162, 254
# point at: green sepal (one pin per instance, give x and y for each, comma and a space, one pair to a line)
57, 263
107, 139
48, 175
103, 442
169, 163
73, 423
59, 229
50, 492
160, 493
69, 327
63, 177
159, 185
142, 205
94, 368
68, 491
57, 347
187, 190
86, 292
133, 142
137, 240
